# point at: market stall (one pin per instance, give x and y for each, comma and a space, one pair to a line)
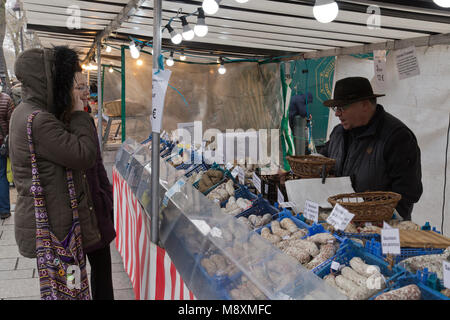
230, 229
223, 254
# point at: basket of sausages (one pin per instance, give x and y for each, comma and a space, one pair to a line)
310, 166
374, 206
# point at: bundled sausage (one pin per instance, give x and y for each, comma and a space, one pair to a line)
409, 292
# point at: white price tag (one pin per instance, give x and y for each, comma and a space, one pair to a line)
390, 241
160, 80
340, 217
235, 172
311, 211
446, 269
229, 166
256, 182
280, 196
335, 266
241, 174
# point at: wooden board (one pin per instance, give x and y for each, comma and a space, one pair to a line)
423, 239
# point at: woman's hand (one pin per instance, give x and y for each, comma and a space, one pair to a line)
78, 104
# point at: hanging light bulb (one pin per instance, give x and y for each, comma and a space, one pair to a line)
211, 6
443, 3
175, 37
201, 29
139, 62
108, 49
242, 1
188, 33
325, 11
111, 70
134, 50
170, 61
222, 68
182, 56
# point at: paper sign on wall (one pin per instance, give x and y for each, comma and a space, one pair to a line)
340, 217
160, 80
379, 64
311, 211
407, 64
390, 241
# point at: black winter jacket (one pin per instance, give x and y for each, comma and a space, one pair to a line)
380, 156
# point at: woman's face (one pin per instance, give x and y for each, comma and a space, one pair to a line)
81, 87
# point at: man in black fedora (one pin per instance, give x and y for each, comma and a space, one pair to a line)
374, 148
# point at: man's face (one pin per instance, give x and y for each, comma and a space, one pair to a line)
353, 115
82, 87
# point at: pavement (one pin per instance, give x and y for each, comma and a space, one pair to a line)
18, 275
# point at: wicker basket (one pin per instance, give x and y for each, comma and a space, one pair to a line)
310, 166
375, 206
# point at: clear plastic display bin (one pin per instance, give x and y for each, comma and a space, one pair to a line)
192, 228
124, 155
139, 160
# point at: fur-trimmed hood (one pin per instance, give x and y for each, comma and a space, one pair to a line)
47, 77
34, 69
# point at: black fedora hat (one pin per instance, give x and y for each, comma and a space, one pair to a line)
350, 90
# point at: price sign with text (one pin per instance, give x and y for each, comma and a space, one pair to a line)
235, 171
311, 211
390, 241
160, 81
256, 182
340, 217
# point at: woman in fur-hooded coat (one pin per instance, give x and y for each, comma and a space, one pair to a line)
47, 77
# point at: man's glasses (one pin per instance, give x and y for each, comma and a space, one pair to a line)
341, 109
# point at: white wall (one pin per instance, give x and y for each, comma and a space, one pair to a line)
423, 104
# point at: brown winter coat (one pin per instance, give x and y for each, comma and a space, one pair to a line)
6, 108
57, 147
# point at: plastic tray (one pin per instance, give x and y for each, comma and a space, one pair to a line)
260, 207
427, 293
226, 175
430, 279
197, 168
350, 250
375, 248
285, 213
219, 283
241, 192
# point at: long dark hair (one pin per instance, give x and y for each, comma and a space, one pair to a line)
66, 65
